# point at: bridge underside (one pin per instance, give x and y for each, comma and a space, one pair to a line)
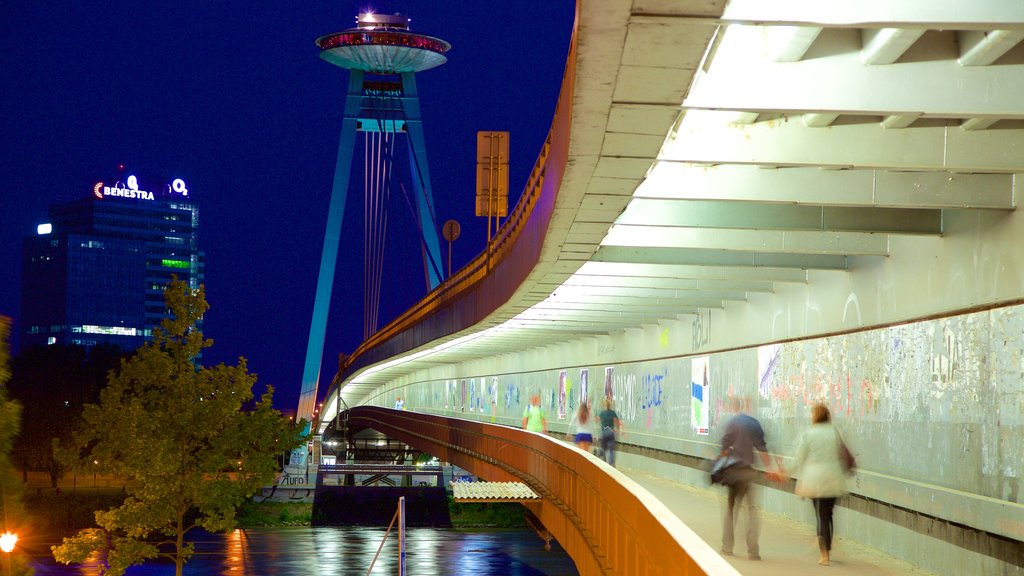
790, 202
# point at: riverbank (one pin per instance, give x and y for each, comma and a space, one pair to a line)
63, 512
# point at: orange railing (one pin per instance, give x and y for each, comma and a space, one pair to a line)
491, 278
604, 520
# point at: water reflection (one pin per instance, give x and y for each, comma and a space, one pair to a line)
349, 550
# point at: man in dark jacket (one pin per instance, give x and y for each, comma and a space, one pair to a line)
743, 434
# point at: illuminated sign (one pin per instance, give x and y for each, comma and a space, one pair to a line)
131, 189
179, 186
127, 193
44, 229
101, 191
166, 263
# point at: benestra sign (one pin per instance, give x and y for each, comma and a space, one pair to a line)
131, 190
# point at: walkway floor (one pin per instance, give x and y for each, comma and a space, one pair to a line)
787, 547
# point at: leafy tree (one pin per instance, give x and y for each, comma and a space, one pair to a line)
178, 434
10, 419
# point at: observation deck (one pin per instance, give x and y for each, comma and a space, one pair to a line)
383, 45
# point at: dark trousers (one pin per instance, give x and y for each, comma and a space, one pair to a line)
823, 511
608, 445
742, 490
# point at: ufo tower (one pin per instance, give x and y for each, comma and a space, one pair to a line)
382, 56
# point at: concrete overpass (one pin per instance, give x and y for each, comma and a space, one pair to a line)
789, 201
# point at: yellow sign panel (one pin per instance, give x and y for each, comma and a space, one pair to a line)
492, 147
492, 185
492, 173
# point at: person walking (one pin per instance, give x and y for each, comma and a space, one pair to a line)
610, 426
533, 416
580, 431
822, 477
743, 434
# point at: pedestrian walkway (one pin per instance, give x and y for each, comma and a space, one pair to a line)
788, 547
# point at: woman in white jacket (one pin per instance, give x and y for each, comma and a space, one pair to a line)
821, 477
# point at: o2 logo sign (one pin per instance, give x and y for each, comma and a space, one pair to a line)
178, 187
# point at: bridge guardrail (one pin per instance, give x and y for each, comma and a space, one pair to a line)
604, 520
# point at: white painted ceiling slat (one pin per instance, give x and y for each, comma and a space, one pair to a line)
811, 185
724, 273
899, 120
588, 314
629, 307
742, 78
978, 123
710, 257
743, 240
981, 48
788, 216
875, 13
574, 291
886, 45
703, 139
790, 43
669, 283
818, 120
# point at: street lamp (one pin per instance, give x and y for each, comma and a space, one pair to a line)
7, 541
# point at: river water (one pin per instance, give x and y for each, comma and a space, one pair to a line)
344, 550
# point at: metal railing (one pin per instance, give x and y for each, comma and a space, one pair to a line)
604, 520
400, 517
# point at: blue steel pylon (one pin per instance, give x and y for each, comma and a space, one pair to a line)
382, 46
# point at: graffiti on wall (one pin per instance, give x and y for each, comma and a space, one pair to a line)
701, 329
512, 396
938, 401
767, 361
494, 398
609, 382
585, 386
563, 388
700, 395
635, 396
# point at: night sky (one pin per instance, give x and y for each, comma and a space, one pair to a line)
233, 98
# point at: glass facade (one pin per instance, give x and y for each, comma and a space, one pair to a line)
98, 275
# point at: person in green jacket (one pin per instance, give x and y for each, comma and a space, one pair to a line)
533, 416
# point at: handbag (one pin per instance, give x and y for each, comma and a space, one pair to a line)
721, 467
846, 459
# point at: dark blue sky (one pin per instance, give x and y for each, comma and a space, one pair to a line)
233, 98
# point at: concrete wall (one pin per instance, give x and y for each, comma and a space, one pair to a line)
939, 402
934, 409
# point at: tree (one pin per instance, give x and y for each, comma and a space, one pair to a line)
177, 433
10, 420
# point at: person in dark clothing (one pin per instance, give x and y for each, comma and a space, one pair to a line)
610, 426
743, 434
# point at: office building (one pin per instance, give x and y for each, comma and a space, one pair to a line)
95, 272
